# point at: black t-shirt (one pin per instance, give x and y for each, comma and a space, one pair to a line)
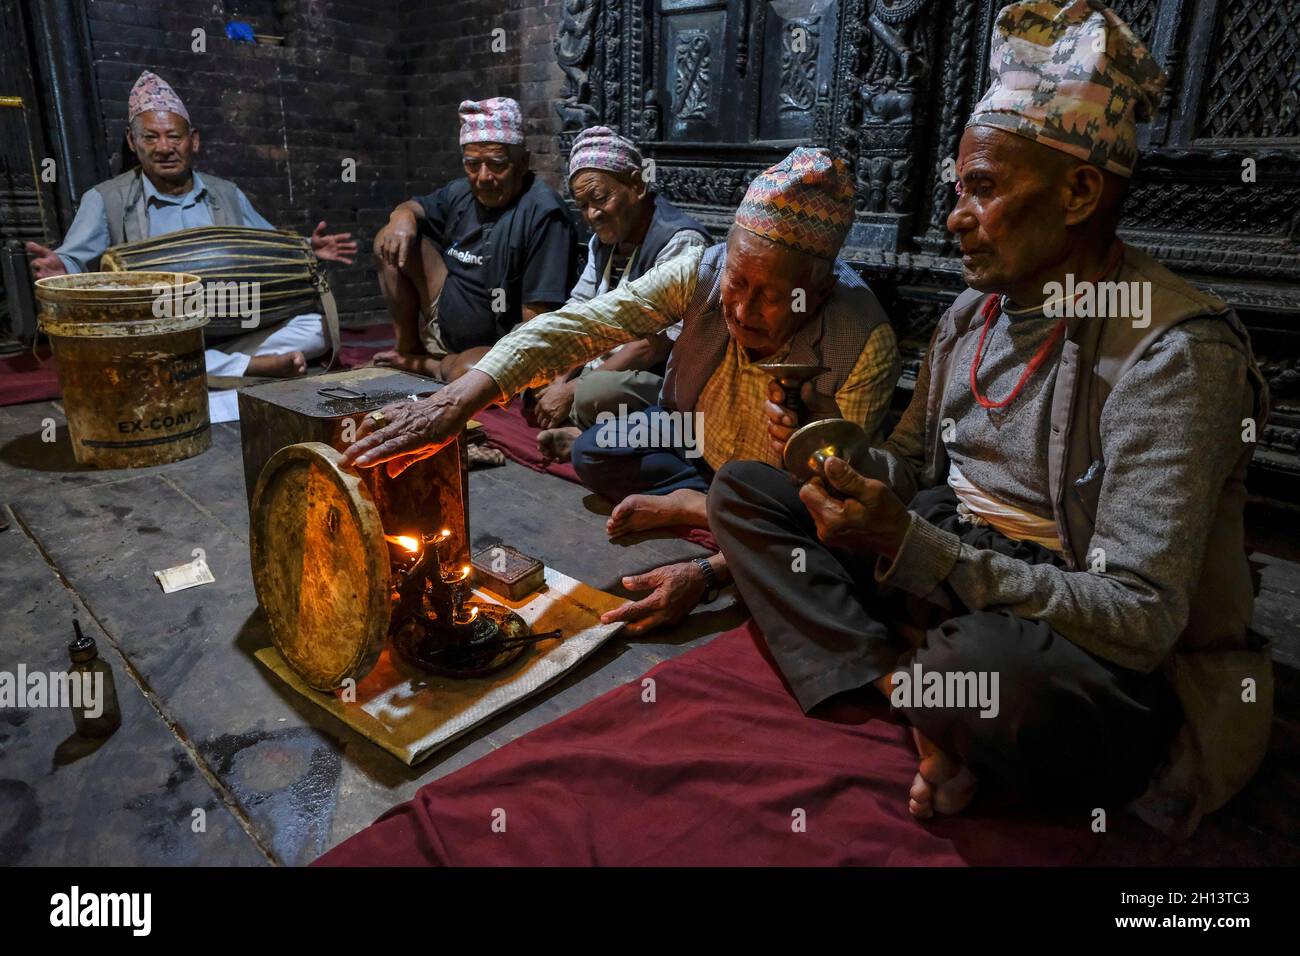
528, 249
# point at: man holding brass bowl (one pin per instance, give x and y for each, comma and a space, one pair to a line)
773, 292
1058, 516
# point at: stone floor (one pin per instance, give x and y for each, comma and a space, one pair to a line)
279, 781
204, 725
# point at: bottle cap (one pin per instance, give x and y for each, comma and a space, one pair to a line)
82, 649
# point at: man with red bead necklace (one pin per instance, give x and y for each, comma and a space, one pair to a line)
1060, 506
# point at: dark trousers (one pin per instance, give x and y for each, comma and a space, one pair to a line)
616, 472
1071, 728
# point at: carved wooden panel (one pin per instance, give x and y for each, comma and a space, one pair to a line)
1254, 88
798, 57
696, 66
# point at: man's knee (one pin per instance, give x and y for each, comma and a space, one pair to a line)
596, 392
412, 268
587, 456
739, 483
988, 642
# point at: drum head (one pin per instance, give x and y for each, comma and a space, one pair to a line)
320, 565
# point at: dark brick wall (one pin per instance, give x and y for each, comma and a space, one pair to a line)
372, 81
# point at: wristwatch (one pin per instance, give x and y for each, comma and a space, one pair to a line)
711, 586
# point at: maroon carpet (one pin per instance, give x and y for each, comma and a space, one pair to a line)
718, 770
25, 377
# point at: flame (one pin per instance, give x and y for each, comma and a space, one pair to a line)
473, 613
464, 572
406, 541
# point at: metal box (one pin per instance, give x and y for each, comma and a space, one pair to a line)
430, 495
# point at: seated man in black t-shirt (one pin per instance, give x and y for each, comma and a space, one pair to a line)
463, 266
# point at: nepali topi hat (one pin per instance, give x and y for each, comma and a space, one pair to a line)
805, 202
494, 120
152, 93
1071, 75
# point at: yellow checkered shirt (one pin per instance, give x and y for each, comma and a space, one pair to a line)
735, 427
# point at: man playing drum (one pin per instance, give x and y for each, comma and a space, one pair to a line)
166, 194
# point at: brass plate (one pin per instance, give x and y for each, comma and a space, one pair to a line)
838, 437
320, 565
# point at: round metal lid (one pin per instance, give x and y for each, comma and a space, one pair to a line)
320, 565
830, 437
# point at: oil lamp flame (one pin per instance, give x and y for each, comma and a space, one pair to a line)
464, 572
406, 541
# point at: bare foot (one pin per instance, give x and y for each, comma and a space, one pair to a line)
943, 785
284, 365
410, 362
556, 443
685, 506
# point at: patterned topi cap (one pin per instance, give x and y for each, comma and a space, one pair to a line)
152, 93
599, 147
495, 120
805, 202
1071, 75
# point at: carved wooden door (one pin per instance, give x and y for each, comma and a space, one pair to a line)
743, 71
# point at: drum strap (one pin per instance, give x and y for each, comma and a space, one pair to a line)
331, 310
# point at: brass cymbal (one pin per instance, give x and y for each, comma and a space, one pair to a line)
808, 448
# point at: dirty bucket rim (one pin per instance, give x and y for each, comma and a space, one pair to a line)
75, 287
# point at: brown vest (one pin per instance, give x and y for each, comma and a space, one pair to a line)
1222, 742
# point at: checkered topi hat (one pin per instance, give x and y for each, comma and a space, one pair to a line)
1071, 75
599, 147
495, 120
152, 93
804, 202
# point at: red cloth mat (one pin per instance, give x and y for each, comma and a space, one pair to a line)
710, 774
360, 345
25, 377
507, 430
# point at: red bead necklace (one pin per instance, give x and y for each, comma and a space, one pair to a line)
990, 312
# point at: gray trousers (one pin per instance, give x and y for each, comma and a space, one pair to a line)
599, 391
1070, 728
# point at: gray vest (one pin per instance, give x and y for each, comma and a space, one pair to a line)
834, 336
668, 220
124, 205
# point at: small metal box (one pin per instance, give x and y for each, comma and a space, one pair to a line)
507, 572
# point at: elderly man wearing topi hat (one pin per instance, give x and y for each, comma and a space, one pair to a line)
1060, 507
633, 230
166, 194
461, 267
773, 291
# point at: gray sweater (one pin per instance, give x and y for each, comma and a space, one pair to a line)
1169, 443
